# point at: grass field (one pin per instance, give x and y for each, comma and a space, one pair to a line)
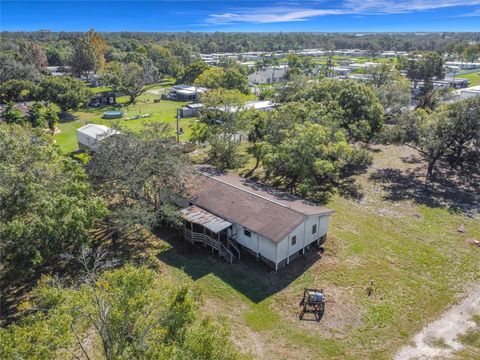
321, 60
162, 112
400, 236
473, 77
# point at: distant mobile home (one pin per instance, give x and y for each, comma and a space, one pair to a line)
268, 75
90, 136
230, 213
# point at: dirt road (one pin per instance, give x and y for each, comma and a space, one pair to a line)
439, 339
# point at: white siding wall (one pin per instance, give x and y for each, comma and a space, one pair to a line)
267, 248
86, 140
249, 242
304, 235
282, 250
257, 243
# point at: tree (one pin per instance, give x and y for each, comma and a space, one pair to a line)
46, 203
362, 115
18, 90
256, 134
128, 313
299, 65
57, 55
35, 55
451, 132
51, 117
234, 80
36, 116
423, 67
312, 160
395, 98
163, 60
88, 54
82, 60
98, 46
392, 89
192, 71
382, 74
12, 115
140, 186
129, 78
221, 124
217, 77
211, 78
68, 93
13, 69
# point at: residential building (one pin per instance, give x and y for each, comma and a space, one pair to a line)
269, 75
90, 136
234, 215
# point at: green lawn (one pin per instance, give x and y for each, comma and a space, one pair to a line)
322, 60
473, 77
410, 249
163, 112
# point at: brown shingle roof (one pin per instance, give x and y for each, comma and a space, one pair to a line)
268, 212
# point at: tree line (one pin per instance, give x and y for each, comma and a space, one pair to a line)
243, 42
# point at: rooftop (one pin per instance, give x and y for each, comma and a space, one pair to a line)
96, 130
208, 220
266, 211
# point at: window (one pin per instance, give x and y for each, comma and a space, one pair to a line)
294, 240
314, 229
247, 233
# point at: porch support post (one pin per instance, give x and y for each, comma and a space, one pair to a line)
204, 233
219, 247
304, 235
288, 249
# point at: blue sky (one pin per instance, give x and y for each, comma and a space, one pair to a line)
242, 15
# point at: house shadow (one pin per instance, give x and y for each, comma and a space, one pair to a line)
249, 276
441, 193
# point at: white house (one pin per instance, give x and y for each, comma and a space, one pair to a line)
269, 75
229, 213
90, 135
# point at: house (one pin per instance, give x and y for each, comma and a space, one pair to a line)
269, 75
342, 71
261, 105
90, 136
191, 110
467, 93
230, 214
185, 93
103, 98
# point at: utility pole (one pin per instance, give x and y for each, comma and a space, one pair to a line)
178, 128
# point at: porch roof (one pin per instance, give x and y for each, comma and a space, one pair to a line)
206, 219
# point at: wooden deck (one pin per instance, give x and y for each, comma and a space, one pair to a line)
226, 247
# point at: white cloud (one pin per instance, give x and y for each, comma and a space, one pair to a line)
293, 12
270, 15
405, 6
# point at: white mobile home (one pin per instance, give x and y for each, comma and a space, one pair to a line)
270, 75
90, 136
230, 213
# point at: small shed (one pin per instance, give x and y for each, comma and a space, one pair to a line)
191, 110
90, 136
103, 98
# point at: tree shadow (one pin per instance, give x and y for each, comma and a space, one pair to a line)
411, 185
249, 276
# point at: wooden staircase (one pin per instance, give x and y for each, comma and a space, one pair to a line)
228, 250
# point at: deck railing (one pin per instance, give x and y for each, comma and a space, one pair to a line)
195, 237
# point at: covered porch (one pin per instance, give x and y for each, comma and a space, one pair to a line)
201, 226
